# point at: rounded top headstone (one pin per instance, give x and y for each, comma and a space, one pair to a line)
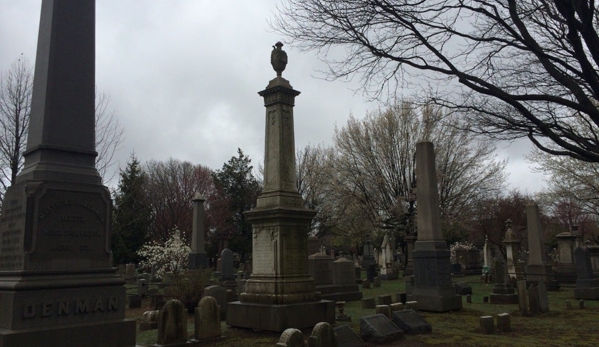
278, 58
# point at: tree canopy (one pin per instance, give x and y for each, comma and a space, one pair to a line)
512, 68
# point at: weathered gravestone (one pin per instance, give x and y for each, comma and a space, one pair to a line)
280, 292
291, 337
219, 293
130, 271
198, 258
346, 337
207, 319
227, 269
379, 328
58, 286
586, 286
142, 287
566, 269
172, 324
432, 287
503, 290
344, 280
411, 322
322, 335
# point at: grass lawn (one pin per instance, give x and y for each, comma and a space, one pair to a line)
559, 327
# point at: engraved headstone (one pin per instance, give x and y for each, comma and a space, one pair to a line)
291, 337
227, 269
379, 328
411, 322
57, 282
172, 324
320, 268
219, 293
207, 319
503, 290
587, 287
322, 335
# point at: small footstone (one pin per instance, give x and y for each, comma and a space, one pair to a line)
385, 299
368, 303
412, 305
503, 322
379, 329
376, 282
291, 338
411, 322
487, 324
346, 337
384, 309
398, 306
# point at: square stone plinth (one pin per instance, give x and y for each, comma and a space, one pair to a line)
113, 334
280, 317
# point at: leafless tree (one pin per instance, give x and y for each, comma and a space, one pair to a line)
16, 86
15, 107
367, 179
514, 68
109, 136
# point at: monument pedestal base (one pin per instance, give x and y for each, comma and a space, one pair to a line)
98, 334
198, 260
587, 290
277, 318
566, 273
432, 303
504, 299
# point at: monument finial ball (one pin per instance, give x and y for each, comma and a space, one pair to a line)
278, 58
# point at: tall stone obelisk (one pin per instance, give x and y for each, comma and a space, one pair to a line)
57, 283
280, 293
432, 288
198, 258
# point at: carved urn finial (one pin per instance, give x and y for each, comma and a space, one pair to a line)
278, 58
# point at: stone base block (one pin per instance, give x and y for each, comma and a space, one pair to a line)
436, 303
114, 334
350, 296
198, 260
277, 318
587, 293
566, 273
504, 299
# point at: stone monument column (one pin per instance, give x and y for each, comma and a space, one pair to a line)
433, 288
511, 251
280, 293
537, 268
57, 283
198, 258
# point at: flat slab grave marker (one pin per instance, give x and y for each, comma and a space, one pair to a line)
411, 322
346, 337
379, 329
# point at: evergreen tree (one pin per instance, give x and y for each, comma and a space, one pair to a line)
130, 215
236, 183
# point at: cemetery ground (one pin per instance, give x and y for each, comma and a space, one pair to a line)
559, 327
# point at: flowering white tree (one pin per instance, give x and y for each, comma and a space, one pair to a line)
459, 246
172, 255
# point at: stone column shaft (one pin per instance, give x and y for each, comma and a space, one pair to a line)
61, 141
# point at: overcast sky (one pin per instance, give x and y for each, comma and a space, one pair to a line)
183, 77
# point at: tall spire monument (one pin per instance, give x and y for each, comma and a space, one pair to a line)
280, 293
57, 283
